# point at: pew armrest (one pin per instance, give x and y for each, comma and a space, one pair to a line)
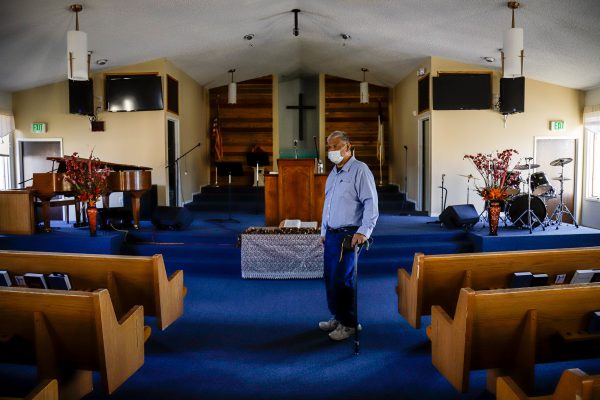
507, 389
409, 292
169, 293
121, 343
450, 342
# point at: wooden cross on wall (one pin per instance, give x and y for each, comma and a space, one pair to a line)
300, 107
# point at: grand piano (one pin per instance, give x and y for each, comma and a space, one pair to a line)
123, 178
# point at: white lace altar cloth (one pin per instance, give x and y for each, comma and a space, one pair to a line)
282, 256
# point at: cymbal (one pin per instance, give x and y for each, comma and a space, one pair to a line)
559, 162
470, 176
522, 167
560, 178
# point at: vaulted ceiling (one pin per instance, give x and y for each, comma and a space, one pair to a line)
389, 37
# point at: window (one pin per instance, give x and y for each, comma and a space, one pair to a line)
591, 120
7, 126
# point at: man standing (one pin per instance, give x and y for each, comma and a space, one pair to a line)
350, 209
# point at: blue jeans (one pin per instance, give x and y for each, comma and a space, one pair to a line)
339, 279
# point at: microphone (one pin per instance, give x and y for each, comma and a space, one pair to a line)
316, 147
405, 147
295, 143
295, 148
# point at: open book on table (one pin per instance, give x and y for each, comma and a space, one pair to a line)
296, 223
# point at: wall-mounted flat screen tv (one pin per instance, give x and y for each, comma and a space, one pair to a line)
133, 93
462, 91
81, 97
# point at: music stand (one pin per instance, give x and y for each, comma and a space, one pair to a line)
257, 159
229, 169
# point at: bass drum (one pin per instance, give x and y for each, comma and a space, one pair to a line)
518, 205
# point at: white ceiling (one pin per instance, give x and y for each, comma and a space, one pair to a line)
390, 37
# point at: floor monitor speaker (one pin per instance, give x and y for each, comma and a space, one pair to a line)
459, 216
173, 218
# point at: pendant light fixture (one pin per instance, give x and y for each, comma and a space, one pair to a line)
296, 30
512, 48
364, 88
232, 89
78, 61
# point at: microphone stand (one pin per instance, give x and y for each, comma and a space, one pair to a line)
176, 164
295, 149
405, 176
318, 159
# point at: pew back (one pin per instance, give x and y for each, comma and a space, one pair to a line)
74, 329
512, 329
437, 279
573, 384
131, 280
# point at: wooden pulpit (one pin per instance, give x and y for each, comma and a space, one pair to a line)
296, 192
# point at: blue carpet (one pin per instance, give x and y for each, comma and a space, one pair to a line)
258, 339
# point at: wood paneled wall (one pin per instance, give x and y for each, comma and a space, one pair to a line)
244, 125
344, 112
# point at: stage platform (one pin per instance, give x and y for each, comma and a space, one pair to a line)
66, 239
209, 245
512, 238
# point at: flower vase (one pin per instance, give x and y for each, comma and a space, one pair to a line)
92, 214
494, 216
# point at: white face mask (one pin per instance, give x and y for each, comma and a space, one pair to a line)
335, 156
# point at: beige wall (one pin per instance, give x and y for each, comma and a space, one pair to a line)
5, 103
136, 138
193, 129
456, 133
404, 129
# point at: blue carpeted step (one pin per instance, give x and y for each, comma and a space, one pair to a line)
220, 206
243, 197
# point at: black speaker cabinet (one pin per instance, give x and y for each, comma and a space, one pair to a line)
173, 218
459, 216
512, 95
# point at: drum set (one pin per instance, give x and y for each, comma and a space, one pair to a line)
528, 209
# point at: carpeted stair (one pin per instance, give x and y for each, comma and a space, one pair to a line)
251, 199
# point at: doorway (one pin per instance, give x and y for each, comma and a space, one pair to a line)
424, 167
548, 150
31, 158
172, 164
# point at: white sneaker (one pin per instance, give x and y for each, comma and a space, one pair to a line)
341, 332
329, 326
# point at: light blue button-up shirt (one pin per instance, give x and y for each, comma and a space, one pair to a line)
350, 198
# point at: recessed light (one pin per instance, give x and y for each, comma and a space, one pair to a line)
102, 61
345, 36
249, 36
489, 59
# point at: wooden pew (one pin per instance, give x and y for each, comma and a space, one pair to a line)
573, 384
16, 212
508, 331
72, 330
45, 390
437, 279
131, 280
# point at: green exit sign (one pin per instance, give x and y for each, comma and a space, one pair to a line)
38, 127
557, 125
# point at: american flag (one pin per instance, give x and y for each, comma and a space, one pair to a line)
217, 138
380, 150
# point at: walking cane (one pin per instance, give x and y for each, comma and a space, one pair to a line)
357, 250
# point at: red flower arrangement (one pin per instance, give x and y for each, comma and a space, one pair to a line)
496, 176
88, 176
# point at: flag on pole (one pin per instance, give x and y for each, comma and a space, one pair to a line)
380, 152
217, 137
